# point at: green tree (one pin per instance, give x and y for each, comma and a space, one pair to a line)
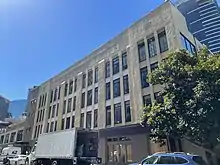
191, 98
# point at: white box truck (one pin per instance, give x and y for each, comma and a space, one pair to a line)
74, 146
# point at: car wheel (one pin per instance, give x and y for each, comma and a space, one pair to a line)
54, 162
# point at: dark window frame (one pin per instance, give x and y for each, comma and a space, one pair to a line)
143, 73
116, 84
152, 47
142, 51
89, 97
117, 113
115, 65
163, 43
108, 91
126, 84
124, 61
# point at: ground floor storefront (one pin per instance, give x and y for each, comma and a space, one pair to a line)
127, 144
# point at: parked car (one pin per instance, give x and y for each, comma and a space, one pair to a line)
172, 158
17, 160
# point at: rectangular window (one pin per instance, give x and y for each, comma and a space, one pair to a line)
187, 44
96, 95
53, 111
62, 124
38, 115
88, 119
158, 97
42, 118
153, 66
57, 109
116, 88
69, 105
89, 97
39, 104
71, 87
141, 52
47, 129
45, 99
83, 100
127, 111
73, 122
55, 95
147, 100
84, 80
59, 93
66, 89
115, 65
74, 103
96, 74
117, 110
64, 106
163, 41
126, 84
152, 50
55, 126
107, 69
75, 85
144, 82
108, 115
124, 61
12, 138
68, 123
6, 138
51, 126
20, 135
51, 96
95, 118
90, 77
108, 91
82, 120
49, 112
2, 139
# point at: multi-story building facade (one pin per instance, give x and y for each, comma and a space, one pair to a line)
19, 132
4, 104
13, 134
107, 89
203, 19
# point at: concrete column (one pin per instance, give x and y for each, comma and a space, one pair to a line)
101, 95
78, 99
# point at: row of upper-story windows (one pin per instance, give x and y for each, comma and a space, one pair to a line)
89, 119
90, 99
116, 65
53, 111
116, 87
90, 77
147, 99
51, 127
118, 113
55, 94
42, 101
38, 130
40, 115
12, 137
152, 46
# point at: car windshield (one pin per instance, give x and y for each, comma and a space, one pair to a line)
199, 160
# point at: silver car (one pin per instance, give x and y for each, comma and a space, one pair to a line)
172, 158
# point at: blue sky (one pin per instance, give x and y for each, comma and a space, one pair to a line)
40, 38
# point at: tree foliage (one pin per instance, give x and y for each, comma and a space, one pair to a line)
191, 93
